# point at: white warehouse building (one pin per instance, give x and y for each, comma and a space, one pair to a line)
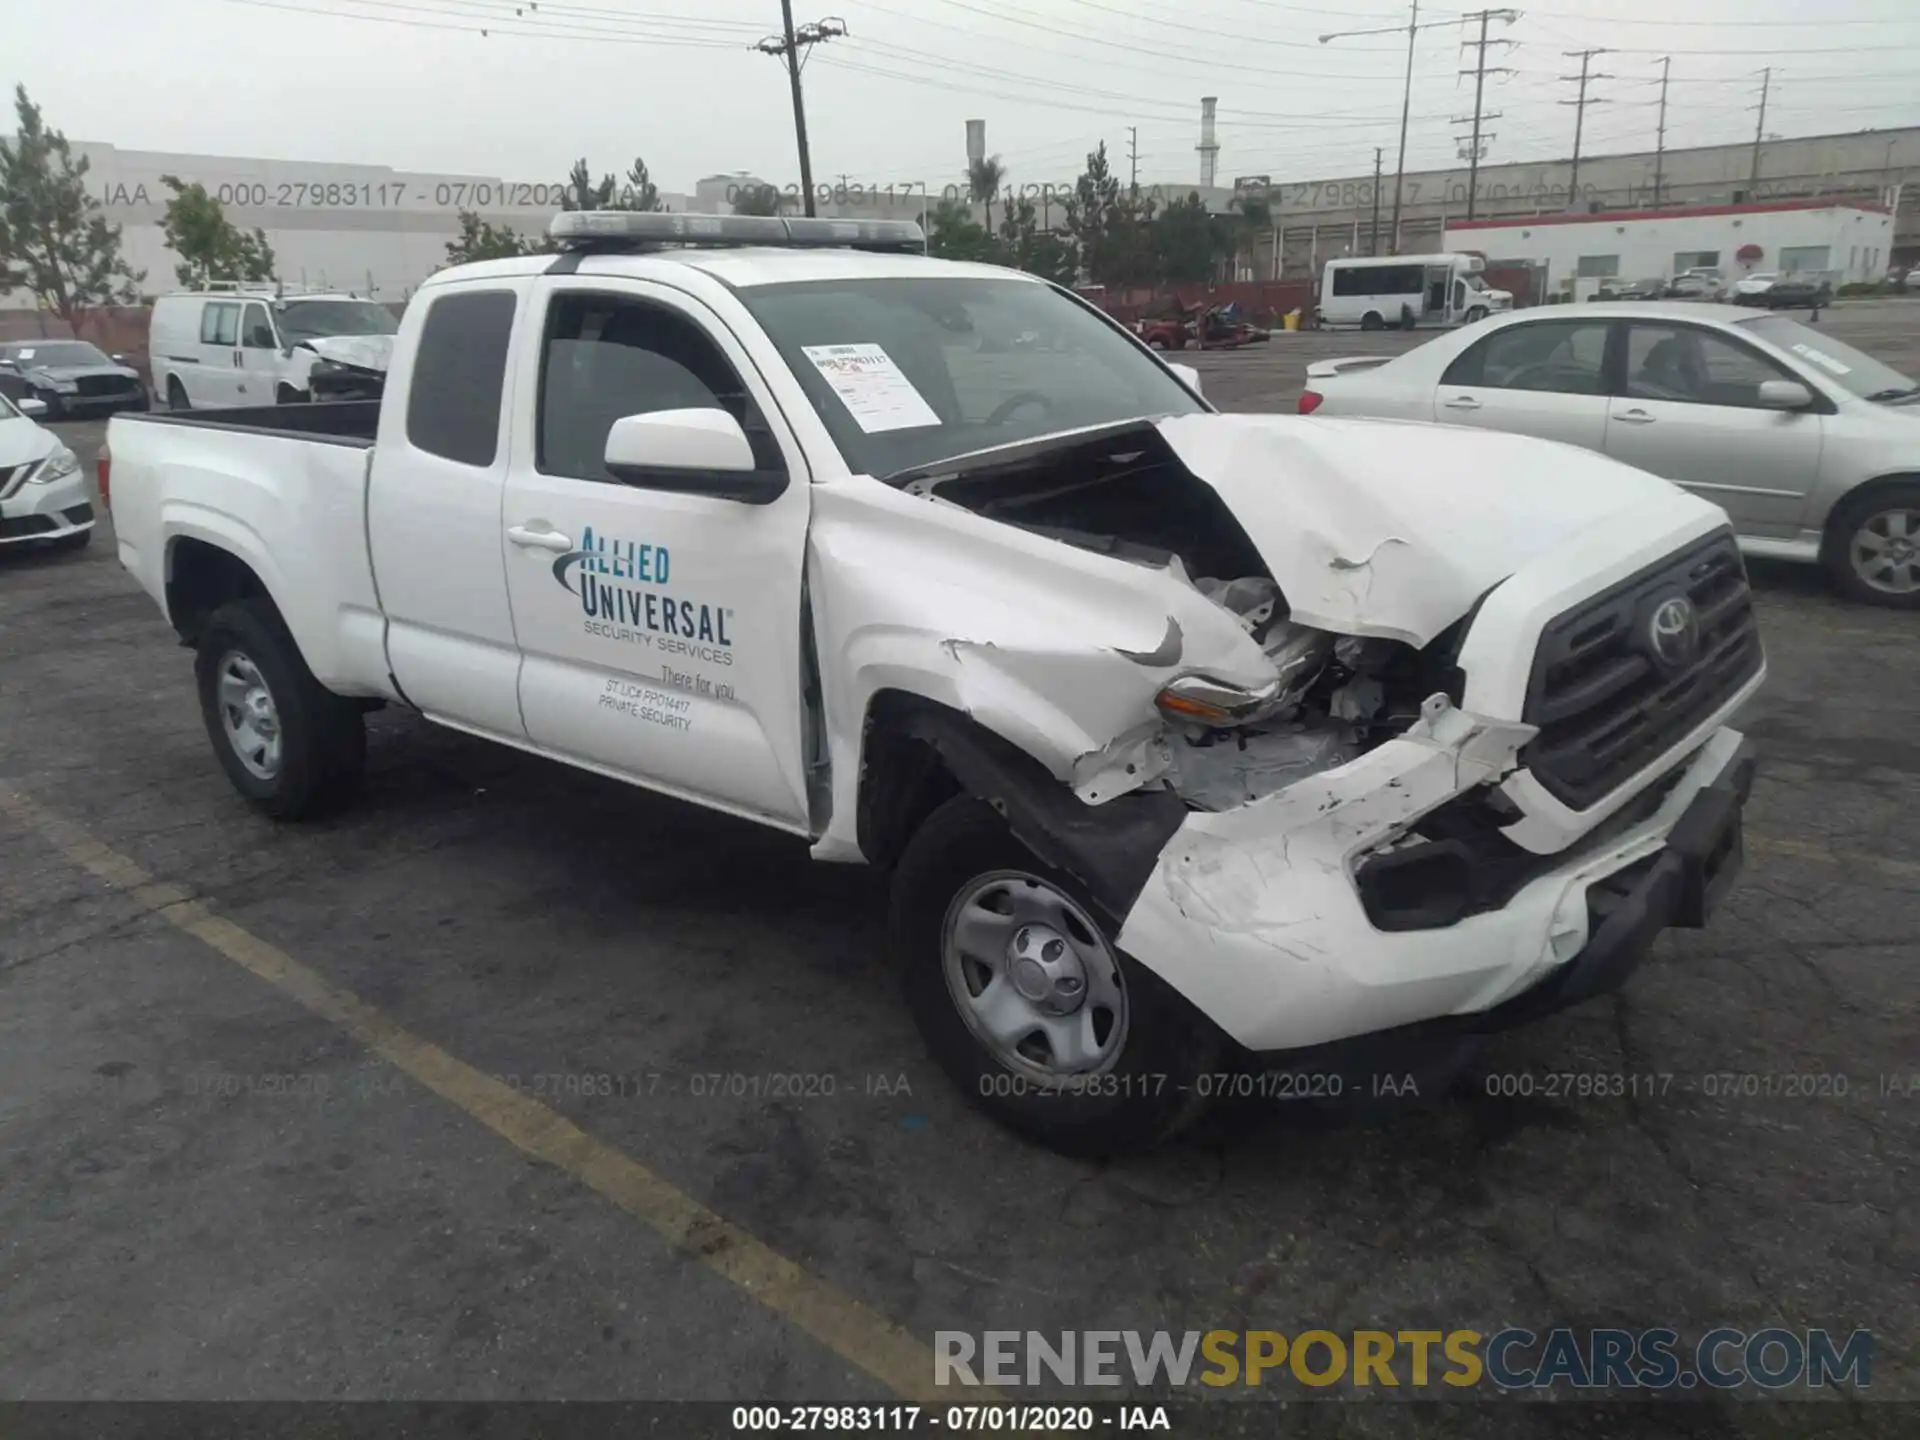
1851, 242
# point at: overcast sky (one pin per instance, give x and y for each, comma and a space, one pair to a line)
415, 85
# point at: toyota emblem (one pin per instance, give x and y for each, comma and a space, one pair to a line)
1673, 633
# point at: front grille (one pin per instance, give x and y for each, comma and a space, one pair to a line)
24, 525
1605, 706
100, 386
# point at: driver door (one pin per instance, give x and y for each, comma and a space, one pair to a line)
659, 630
1532, 377
260, 357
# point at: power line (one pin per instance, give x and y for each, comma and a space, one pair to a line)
489, 29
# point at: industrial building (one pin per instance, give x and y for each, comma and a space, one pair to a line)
380, 231
1847, 243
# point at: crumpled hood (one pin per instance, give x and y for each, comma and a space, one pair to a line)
369, 352
1395, 528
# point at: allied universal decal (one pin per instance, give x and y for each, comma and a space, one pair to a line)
619, 586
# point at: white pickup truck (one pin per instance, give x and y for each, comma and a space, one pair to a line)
1200, 747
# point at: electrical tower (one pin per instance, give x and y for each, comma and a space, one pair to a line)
788, 45
1580, 112
1475, 146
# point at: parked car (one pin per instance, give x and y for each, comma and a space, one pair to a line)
1802, 290
1651, 289
1164, 332
262, 345
1752, 289
1811, 446
70, 377
43, 496
1190, 740
1695, 285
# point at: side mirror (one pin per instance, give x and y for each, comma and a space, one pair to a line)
31, 406
691, 452
1188, 375
1784, 395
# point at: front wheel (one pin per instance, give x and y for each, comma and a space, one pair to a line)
177, 394
1873, 547
1026, 1002
287, 743
56, 408
1476, 314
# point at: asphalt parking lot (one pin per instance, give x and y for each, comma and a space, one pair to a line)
252, 1144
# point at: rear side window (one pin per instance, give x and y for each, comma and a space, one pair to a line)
220, 325
1567, 357
453, 402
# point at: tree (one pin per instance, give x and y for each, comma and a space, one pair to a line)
1256, 221
953, 234
582, 193
756, 200
210, 246
54, 243
1188, 242
641, 193
482, 241
984, 178
1110, 228
1039, 252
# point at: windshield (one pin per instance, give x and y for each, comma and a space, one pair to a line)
1835, 359
55, 352
908, 373
324, 319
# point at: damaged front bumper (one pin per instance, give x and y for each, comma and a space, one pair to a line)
1255, 916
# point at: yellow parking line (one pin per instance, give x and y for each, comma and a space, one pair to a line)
852, 1330
1801, 850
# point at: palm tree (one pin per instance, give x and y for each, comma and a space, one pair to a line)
984, 178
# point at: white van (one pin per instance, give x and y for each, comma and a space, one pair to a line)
267, 345
1380, 292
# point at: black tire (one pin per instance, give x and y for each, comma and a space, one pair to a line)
322, 736
287, 395
1847, 519
1476, 314
145, 402
1372, 321
79, 540
56, 407
1154, 1088
177, 394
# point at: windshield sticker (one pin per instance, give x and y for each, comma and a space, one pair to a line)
23, 354
872, 387
1822, 359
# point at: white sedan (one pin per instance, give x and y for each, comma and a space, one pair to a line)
43, 495
1811, 446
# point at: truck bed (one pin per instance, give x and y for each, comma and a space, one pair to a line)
334, 422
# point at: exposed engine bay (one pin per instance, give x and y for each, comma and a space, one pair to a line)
1127, 495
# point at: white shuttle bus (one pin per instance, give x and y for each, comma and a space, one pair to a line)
1380, 292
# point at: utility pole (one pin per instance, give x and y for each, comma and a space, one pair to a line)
1760, 125
1580, 113
1133, 160
1373, 226
1479, 73
1660, 137
1412, 27
788, 45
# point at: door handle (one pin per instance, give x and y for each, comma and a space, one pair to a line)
540, 539
1461, 402
1634, 417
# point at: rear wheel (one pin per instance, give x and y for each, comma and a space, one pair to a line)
1873, 546
1372, 320
177, 394
288, 744
1027, 1003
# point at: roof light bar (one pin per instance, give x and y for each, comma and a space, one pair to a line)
633, 229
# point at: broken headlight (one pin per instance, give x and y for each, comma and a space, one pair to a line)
1198, 700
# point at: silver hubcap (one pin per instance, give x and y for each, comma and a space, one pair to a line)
1033, 978
248, 715
1886, 551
